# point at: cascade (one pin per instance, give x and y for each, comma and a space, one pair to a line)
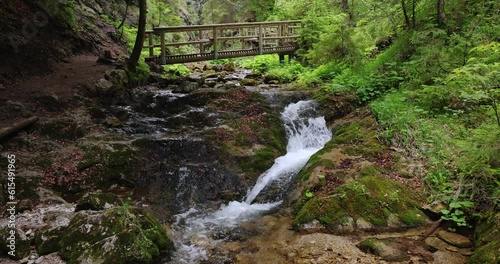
194, 230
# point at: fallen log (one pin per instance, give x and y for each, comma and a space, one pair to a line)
21, 125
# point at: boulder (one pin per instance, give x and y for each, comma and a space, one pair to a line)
119, 235
103, 86
117, 77
97, 201
186, 87
371, 201
210, 82
210, 74
229, 66
454, 239
196, 77
389, 249
249, 82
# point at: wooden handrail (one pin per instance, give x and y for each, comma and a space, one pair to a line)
220, 38
210, 26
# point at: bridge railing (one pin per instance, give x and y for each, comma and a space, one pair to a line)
210, 41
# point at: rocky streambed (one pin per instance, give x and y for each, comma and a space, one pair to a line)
124, 175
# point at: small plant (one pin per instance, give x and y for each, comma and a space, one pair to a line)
455, 212
309, 194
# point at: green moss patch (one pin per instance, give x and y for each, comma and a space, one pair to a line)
373, 199
120, 235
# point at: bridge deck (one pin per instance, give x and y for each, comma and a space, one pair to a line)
220, 41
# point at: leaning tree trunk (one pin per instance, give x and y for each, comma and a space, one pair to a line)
139, 40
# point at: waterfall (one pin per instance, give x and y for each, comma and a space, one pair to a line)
306, 133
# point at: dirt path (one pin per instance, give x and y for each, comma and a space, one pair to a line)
67, 79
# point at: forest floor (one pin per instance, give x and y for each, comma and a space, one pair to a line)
67, 79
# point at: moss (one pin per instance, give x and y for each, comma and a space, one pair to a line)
62, 129
47, 241
260, 161
413, 217
370, 198
486, 254
316, 161
120, 235
370, 170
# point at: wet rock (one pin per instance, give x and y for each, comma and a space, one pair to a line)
97, 201
50, 102
454, 239
2, 87
118, 235
196, 77
117, 77
113, 121
249, 82
210, 82
186, 87
254, 75
389, 249
228, 85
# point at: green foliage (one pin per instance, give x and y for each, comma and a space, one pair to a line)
272, 69
176, 70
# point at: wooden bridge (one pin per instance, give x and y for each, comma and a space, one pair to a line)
221, 41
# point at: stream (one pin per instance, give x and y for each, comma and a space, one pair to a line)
196, 231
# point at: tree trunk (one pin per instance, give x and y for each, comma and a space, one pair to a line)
345, 5
139, 40
23, 124
440, 12
405, 13
413, 4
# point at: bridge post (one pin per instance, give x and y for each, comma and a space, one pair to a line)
151, 45
162, 41
261, 39
215, 42
200, 37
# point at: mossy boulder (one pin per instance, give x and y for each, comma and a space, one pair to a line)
119, 235
487, 239
375, 200
249, 82
62, 129
22, 243
97, 201
117, 77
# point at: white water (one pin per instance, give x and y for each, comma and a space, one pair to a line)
306, 135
